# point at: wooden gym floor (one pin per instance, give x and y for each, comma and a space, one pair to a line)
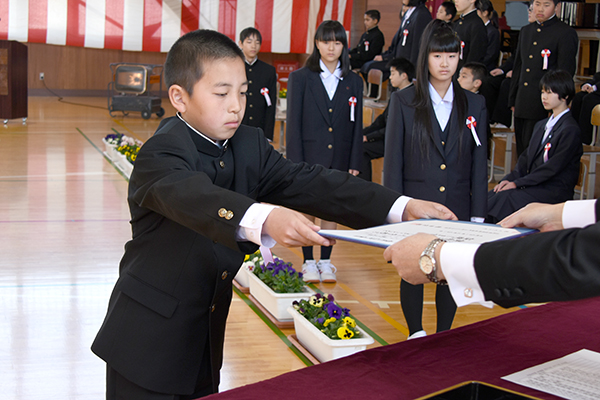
63, 224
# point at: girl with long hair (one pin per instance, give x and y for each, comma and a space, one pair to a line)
436, 150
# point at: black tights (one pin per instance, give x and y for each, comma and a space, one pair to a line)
411, 299
307, 253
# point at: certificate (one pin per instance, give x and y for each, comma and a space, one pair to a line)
451, 231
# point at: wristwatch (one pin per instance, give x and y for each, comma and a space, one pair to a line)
427, 262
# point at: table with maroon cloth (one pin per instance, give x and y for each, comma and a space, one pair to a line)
484, 351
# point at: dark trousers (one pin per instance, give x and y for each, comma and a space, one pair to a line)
371, 151
119, 388
495, 89
523, 131
380, 65
581, 107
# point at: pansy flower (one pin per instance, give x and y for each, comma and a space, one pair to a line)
345, 333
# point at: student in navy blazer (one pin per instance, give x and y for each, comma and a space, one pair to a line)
424, 161
324, 117
548, 170
406, 40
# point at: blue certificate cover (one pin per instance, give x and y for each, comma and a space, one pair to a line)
452, 231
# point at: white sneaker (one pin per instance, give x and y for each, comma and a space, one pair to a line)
417, 335
327, 271
310, 272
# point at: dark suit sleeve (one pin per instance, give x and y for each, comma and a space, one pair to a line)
514, 82
567, 51
520, 169
551, 266
479, 43
376, 47
394, 145
493, 48
377, 129
421, 22
270, 111
356, 156
293, 125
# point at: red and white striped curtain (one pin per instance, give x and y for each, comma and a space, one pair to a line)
287, 26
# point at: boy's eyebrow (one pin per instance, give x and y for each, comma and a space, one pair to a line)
227, 84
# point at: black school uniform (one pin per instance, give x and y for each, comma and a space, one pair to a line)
258, 112
472, 33
370, 44
562, 41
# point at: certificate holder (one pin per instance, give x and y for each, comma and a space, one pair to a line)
451, 231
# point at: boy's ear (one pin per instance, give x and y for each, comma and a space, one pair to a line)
477, 83
178, 97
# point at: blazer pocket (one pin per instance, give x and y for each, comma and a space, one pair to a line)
147, 295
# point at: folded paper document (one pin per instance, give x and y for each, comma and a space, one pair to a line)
452, 231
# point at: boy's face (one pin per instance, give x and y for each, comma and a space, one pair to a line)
398, 79
251, 47
550, 100
543, 9
466, 81
216, 107
369, 22
463, 6
442, 15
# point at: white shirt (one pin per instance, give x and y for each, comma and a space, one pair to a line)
407, 15
442, 107
330, 81
456, 259
551, 122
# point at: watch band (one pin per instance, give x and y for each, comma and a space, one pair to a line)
430, 252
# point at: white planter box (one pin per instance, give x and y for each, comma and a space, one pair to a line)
322, 347
243, 275
276, 303
110, 150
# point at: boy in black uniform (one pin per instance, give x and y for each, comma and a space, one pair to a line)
371, 42
262, 84
546, 44
472, 33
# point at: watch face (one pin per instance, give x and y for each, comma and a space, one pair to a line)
426, 264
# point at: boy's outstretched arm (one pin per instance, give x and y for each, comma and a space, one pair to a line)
292, 229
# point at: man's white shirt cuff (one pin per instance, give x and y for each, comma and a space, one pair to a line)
457, 261
395, 213
579, 213
251, 225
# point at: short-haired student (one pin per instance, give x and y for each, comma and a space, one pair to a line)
261, 98
548, 170
435, 149
198, 199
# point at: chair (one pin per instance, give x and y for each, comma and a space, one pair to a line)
491, 160
595, 123
375, 77
583, 175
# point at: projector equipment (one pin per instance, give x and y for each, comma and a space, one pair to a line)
130, 89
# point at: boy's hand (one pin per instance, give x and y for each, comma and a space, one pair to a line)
544, 217
292, 229
417, 209
504, 185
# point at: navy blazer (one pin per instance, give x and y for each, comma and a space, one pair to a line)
167, 313
455, 175
319, 130
549, 266
471, 30
415, 25
546, 182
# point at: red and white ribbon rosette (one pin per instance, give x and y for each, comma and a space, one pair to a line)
265, 92
405, 33
366, 45
352, 102
546, 55
471, 124
462, 46
546, 150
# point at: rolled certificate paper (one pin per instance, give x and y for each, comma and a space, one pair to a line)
471, 124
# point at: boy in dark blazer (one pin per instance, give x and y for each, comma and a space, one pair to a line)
583, 104
196, 199
547, 171
371, 42
545, 44
261, 100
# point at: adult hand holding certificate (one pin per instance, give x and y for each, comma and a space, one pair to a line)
451, 231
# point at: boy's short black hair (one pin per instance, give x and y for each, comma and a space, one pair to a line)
187, 57
559, 82
374, 14
249, 32
478, 70
414, 3
450, 8
401, 65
